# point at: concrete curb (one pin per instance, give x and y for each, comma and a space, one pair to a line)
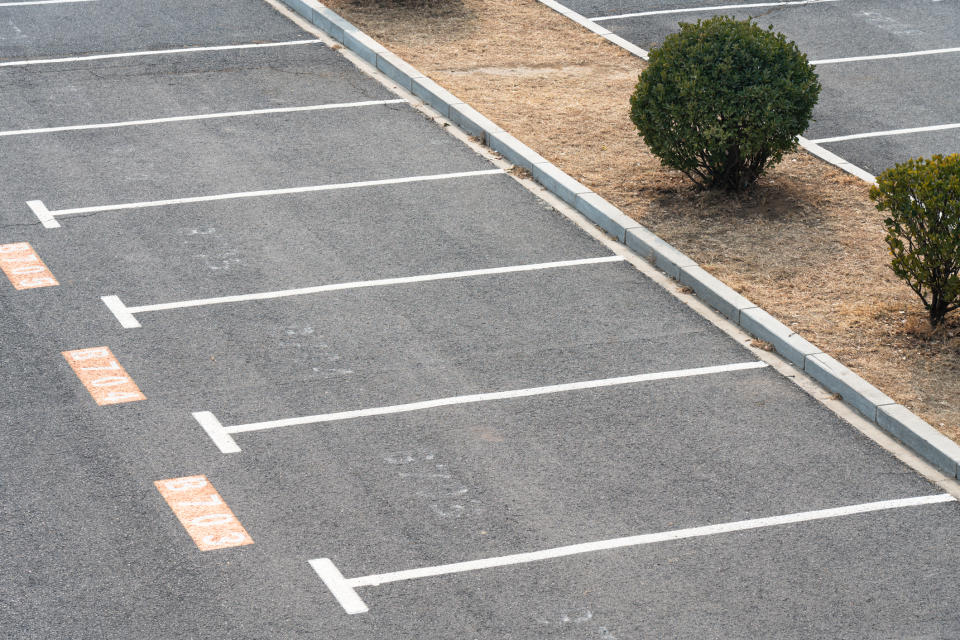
590, 25
893, 418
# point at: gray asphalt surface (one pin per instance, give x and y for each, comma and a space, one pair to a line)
857, 97
90, 548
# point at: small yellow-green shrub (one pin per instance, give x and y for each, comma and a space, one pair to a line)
923, 228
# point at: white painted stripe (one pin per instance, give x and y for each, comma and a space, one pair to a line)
886, 56
157, 52
120, 312
217, 433
497, 395
43, 214
268, 192
338, 586
204, 116
725, 7
891, 132
34, 2
649, 538
115, 301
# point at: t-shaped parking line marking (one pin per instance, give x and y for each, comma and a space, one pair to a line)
344, 589
48, 218
223, 436
127, 315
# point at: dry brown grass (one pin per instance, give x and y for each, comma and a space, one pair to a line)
806, 243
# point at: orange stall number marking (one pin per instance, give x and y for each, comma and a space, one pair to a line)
103, 376
203, 513
24, 267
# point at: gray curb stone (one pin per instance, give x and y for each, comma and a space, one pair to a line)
761, 324
654, 248
604, 215
926, 441
514, 150
603, 32
434, 95
715, 293
472, 121
855, 391
895, 419
559, 183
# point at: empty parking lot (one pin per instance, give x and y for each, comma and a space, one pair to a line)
311, 365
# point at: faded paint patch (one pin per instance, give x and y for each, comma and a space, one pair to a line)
203, 513
24, 268
102, 375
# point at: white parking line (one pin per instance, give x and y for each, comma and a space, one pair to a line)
344, 589
203, 116
726, 7
222, 436
157, 52
891, 132
886, 56
126, 317
48, 218
34, 2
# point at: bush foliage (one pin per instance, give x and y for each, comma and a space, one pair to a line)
723, 100
923, 228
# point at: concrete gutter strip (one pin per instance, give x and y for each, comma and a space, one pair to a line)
880, 409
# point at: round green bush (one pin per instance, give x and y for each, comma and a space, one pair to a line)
723, 100
923, 228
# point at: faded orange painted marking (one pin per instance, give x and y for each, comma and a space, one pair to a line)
24, 267
203, 513
103, 376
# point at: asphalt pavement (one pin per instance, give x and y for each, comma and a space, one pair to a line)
479, 378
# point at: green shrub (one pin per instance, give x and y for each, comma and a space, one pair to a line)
723, 100
923, 228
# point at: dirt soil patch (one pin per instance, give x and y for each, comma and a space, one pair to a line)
806, 244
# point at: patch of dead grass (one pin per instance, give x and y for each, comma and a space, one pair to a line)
806, 243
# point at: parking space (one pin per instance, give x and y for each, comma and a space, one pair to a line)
882, 64
35, 31
299, 366
190, 83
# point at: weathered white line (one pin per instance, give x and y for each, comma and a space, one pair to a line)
891, 132
217, 433
120, 312
727, 7
886, 56
344, 589
125, 314
202, 116
480, 397
338, 586
157, 52
47, 217
43, 214
35, 2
